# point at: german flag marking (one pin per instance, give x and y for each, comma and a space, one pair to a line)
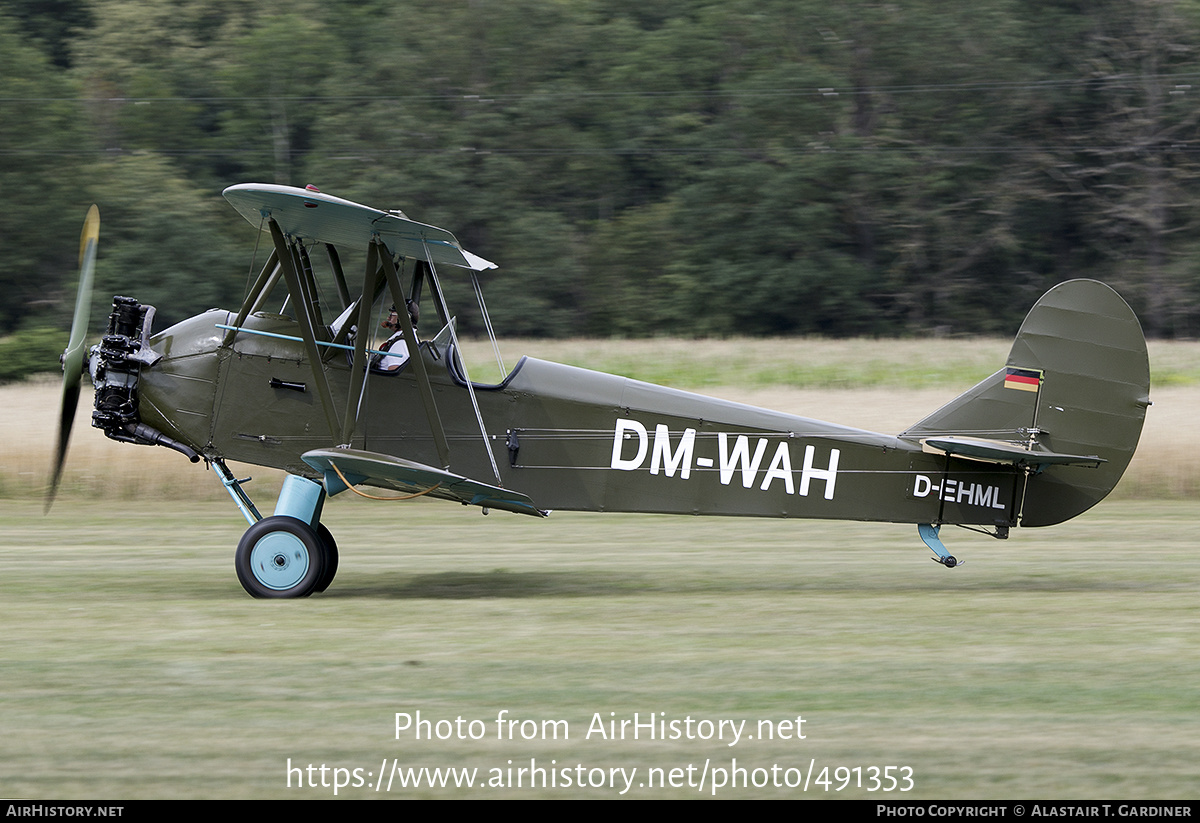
1022, 379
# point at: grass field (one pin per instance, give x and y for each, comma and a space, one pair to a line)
1061, 663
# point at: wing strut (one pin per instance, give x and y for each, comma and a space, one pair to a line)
262, 286
303, 268
414, 351
307, 327
335, 263
487, 445
358, 368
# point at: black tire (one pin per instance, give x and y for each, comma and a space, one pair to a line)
280, 557
331, 558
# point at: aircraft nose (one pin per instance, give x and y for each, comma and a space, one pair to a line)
116, 366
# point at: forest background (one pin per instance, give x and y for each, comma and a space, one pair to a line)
681, 167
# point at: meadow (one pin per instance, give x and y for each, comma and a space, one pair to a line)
1061, 663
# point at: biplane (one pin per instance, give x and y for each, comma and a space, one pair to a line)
304, 388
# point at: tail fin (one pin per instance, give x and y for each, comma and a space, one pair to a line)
1077, 382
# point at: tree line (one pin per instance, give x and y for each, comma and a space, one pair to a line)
763, 167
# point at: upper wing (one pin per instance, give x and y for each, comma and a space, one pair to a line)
312, 215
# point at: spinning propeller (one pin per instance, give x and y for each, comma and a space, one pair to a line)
73, 357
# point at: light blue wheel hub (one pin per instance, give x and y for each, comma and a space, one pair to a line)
279, 560
289, 554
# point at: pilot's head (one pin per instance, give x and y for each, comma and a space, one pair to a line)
393, 319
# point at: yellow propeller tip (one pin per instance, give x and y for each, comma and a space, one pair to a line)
91, 230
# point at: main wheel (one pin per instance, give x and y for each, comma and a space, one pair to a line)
331, 558
280, 557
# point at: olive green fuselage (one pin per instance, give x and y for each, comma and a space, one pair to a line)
569, 438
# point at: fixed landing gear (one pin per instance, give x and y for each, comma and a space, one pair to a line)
290, 554
331, 558
281, 556
929, 533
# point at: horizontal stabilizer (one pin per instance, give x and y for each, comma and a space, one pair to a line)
993, 451
398, 474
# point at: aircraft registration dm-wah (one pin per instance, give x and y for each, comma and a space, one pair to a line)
1040, 441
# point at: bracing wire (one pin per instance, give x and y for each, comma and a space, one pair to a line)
487, 446
487, 323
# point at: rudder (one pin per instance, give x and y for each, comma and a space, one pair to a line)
1077, 381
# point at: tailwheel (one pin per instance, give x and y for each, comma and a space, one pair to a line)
284, 557
929, 533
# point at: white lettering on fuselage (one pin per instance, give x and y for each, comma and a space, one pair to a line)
958, 491
739, 460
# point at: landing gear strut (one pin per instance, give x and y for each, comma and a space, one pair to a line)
929, 533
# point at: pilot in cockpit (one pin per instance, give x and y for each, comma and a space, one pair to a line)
395, 346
